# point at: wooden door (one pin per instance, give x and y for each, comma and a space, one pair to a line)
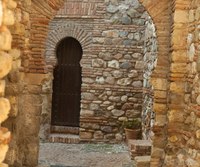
67, 84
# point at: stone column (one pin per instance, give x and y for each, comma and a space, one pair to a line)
6, 19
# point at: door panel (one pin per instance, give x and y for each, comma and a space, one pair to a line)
67, 84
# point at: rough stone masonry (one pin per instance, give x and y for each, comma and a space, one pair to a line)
6, 56
175, 78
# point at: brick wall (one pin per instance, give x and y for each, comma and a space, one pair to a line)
112, 64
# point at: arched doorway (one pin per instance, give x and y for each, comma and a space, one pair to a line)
67, 84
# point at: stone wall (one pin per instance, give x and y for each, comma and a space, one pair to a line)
112, 64
6, 57
176, 128
183, 140
150, 60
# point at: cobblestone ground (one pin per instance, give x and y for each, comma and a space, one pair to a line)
84, 155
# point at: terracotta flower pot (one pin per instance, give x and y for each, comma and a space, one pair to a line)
132, 133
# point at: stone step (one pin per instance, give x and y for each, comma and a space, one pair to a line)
64, 138
139, 147
142, 161
65, 129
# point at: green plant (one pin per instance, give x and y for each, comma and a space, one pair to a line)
132, 124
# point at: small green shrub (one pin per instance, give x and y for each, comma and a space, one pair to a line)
132, 124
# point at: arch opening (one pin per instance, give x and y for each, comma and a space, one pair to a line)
67, 84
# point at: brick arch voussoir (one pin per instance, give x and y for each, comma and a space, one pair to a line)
160, 12
63, 31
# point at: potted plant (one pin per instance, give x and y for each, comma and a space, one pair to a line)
132, 128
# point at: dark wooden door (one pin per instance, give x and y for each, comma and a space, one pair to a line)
67, 84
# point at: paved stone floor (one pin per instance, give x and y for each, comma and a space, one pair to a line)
84, 155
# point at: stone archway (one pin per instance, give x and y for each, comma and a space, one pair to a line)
55, 35
35, 69
160, 77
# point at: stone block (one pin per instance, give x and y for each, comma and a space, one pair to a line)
3, 165
5, 64
124, 81
160, 94
139, 65
176, 116
137, 84
139, 147
160, 108
87, 96
8, 18
179, 56
6, 38
117, 113
4, 149
11, 4
86, 135
97, 63
178, 87
87, 113
159, 83
98, 135
2, 87
143, 161
178, 68
4, 109
4, 136
113, 64
191, 162
161, 120
198, 134
181, 16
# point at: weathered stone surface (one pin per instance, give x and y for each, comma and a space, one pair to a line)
133, 74
88, 80
87, 96
4, 109
114, 99
160, 84
112, 9
5, 39
119, 137
85, 135
98, 135
126, 65
110, 80
2, 87
98, 63
124, 81
94, 106
107, 129
8, 17
181, 16
113, 64
124, 98
87, 113
139, 65
126, 20
4, 149
90, 126
198, 134
117, 74
137, 84
198, 100
117, 113
100, 80
5, 64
